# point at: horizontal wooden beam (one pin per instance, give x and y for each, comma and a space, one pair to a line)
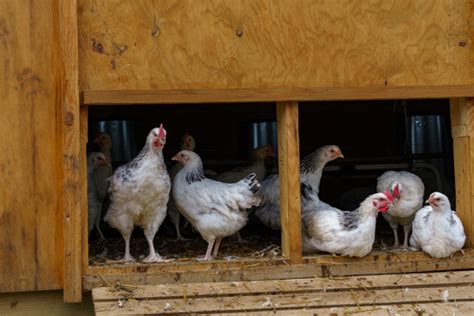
124, 97
264, 269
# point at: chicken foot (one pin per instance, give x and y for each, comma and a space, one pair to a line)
153, 256
208, 255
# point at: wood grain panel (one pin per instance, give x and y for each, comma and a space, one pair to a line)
74, 195
30, 158
120, 97
218, 44
462, 125
289, 171
359, 293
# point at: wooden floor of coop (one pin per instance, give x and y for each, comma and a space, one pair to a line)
439, 293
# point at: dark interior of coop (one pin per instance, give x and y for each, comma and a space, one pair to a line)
374, 136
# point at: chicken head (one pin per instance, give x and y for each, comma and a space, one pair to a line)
383, 201
188, 142
438, 200
157, 137
333, 152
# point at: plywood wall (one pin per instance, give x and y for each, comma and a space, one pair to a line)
186, 44
31, 239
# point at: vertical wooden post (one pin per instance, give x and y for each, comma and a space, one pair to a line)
289, 169
84, 205
69, 87
462, 125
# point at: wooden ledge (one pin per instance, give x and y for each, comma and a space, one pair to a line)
124, 97
312, 295
265, 269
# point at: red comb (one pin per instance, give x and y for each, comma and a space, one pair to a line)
389, 195
396, 191
161, 133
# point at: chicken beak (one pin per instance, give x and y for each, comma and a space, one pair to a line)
427, 201
339, 155
175, 158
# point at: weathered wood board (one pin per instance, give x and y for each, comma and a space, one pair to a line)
217, 44
357, 293
462, 125
31, 214
265, 269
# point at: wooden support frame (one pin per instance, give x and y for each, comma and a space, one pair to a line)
462, 125
73, 181
289, 170
462, 115
262, 269
123, 97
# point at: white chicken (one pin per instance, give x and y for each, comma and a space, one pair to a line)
214, 208
255, 165
311, 171
95, 160
437, 230
407, 190
187, 143
139, 192
102, 173
340, 232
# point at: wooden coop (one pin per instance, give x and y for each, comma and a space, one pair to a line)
300, 64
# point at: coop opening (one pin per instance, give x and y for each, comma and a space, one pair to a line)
369, 138
231, 140
375, 137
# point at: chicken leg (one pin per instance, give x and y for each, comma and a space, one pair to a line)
97, 226
174, 216
406, 230
216, 247
150, 232
127, 257
396, 244
208, 255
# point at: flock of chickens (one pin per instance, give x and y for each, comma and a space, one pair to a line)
143, 192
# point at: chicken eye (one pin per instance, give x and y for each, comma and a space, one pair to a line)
438, 199
182, 155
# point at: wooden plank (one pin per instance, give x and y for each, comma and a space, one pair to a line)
271, 301
43, 303
73, 180
290, 286
30, 156
190, 276
322, 265
84, 119
289, 172
170, 96
455, 308
462, 121
181, 44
